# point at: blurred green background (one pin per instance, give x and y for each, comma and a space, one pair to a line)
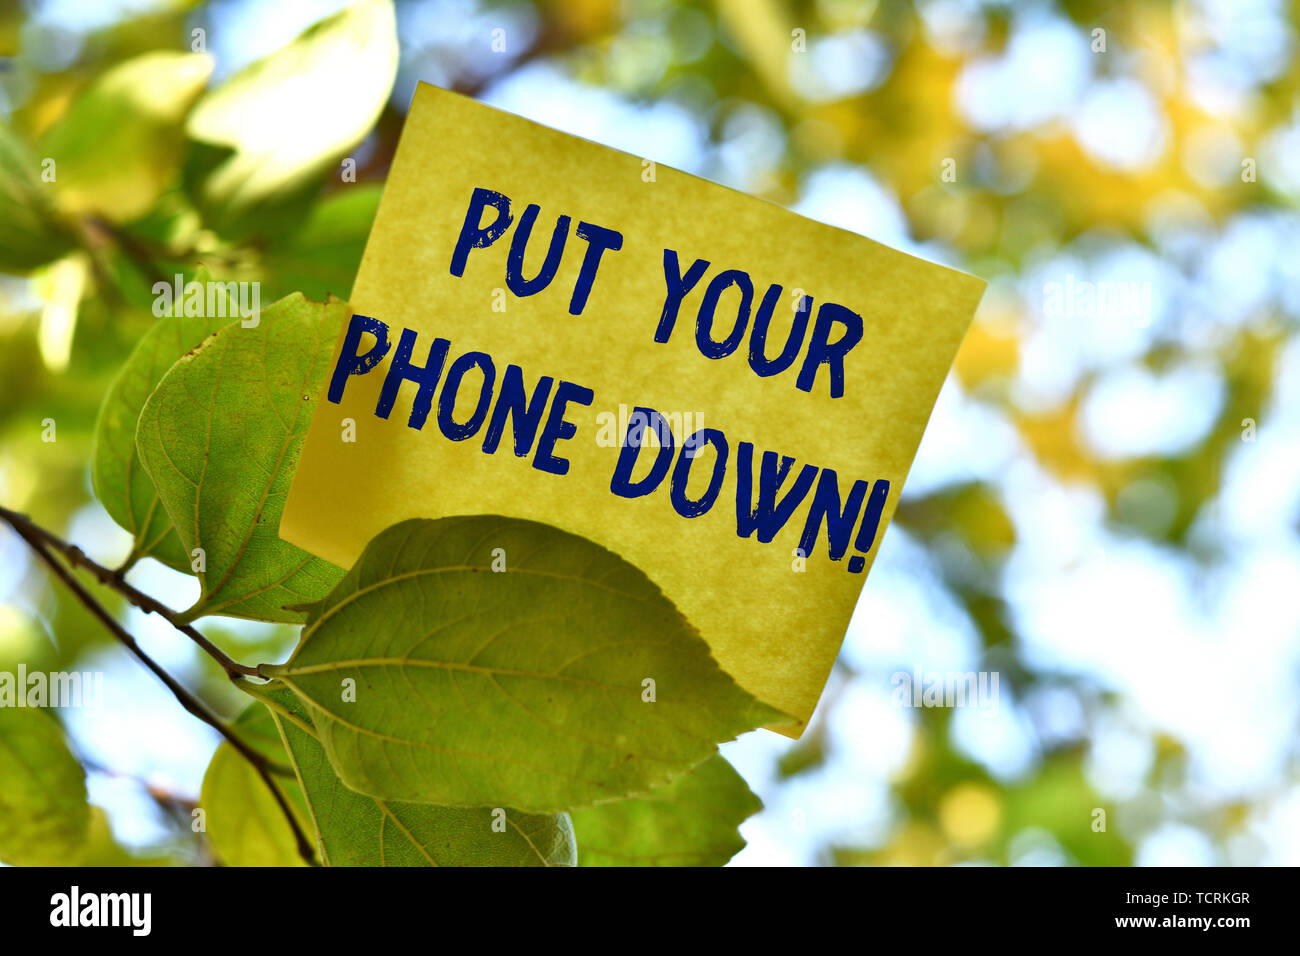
1105, 508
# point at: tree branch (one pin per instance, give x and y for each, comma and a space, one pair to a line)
115, 580
35, 538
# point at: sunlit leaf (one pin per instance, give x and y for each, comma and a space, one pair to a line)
120, 143
61, 286
357, 830
220, 438
121, 482
244, 821
294, 113
761, 29
43, 809
690, 822
526, 688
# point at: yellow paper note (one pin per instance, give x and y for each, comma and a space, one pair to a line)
792, 367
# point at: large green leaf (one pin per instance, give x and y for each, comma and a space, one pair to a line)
120, 481
690, 822
321, 257
120, 143
523, 688
30, 233
356, 830
43, 811
244, 820
293, 114
220, 437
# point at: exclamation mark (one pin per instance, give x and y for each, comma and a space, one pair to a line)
870, 524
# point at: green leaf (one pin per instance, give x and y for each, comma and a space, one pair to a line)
690, 822
30, 234
220, 437
60, 286
356, 830
244, 822
293, 114
102, 849
120, 143
120, 481
43, 811
519, 689
322, 256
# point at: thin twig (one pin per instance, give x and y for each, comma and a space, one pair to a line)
29, 533
171, 803
135, 250
114, 579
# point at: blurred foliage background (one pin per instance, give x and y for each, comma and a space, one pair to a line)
1104, 511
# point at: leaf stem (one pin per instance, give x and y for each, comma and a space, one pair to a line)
257, 691
120, 572
134, 249
116, 580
